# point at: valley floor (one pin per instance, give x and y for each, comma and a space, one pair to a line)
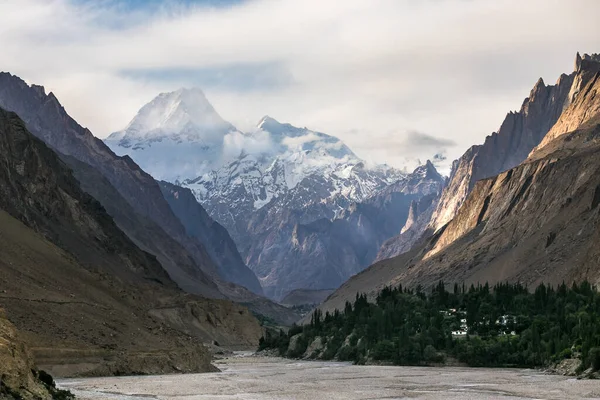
250, 377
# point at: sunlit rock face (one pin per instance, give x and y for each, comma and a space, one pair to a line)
519, 133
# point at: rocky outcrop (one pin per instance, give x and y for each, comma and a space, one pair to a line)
17, 378
293, 345
534, 223
315, 348
584, 100
519, 133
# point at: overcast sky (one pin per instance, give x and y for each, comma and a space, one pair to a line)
394, 79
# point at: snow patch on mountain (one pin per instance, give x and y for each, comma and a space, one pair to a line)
293, 155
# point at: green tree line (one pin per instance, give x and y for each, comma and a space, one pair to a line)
503, 325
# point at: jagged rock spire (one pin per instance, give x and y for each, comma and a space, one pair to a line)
577, 62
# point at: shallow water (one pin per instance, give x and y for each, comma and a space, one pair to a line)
253, 378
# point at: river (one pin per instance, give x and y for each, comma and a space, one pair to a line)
254, 378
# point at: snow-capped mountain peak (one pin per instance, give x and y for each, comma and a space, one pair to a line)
175, 136
185, 114
305, 143
427, 170
303, 167
280, 129
267, 121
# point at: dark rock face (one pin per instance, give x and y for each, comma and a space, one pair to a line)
537, 222
39, 190
323, 253
150, 237
219, 244
48, 120
518, 135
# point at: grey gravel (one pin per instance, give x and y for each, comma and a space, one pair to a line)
264, 378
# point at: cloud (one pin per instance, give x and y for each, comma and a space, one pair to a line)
453, 67
420, 140
235, 143
236, 77
409, 142
300, 141
408, 148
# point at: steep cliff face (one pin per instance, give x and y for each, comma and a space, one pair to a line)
502, 194
584, 102
519, 133
48, 120
145, 233
537, 222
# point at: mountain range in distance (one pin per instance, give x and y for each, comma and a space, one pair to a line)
304, 211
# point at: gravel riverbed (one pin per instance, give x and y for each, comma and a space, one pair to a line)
254, 378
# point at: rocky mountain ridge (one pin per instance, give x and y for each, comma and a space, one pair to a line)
311, 249
536, 222
519, 133
415, 228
